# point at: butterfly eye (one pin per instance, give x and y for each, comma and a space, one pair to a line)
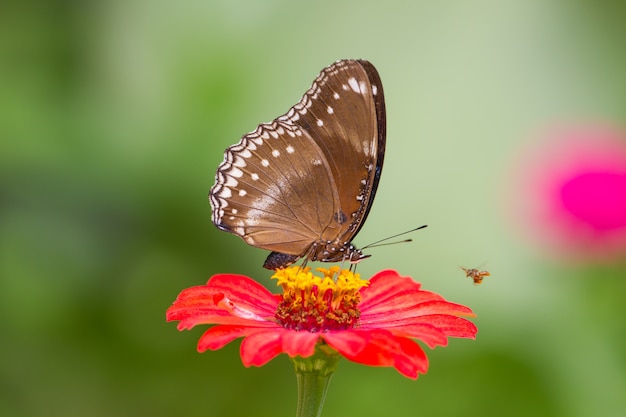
302, 185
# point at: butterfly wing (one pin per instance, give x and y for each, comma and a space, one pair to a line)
344, 111
311, 174
274, 189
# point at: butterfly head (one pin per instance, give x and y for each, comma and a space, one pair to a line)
355, 255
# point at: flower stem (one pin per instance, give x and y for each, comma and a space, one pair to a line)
313, 375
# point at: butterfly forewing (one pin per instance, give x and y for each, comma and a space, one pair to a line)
345, 113
304, 183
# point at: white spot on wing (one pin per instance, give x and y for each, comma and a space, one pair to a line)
290, 149
242, 193
336, 96
367, 148
320, 122
255, 177
265, 162
236, 172
238, 161
275, 153
330, 110
231, 182
354, 84
374, 90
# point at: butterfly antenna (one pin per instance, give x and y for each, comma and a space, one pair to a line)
388, 243
378, 242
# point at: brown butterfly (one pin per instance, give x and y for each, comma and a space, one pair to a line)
302, 185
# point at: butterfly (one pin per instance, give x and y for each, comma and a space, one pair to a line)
302, 185
476, 275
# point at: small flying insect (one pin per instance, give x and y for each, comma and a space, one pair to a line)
476, 274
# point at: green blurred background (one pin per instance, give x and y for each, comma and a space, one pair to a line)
114, 116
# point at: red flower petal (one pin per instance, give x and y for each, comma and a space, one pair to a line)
380, 348
435, 330
430, 335
300, 343
354, 345
201, 304
412, 360
348, 343
219, 336
449, 325
386, 284
408, 313
261, 347
388, 290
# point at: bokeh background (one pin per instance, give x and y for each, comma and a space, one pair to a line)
114, 116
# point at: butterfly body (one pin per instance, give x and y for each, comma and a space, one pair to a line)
302, 185
318, 251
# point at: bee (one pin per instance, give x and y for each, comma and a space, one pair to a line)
476, 274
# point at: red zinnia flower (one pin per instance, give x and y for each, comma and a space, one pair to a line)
372, 323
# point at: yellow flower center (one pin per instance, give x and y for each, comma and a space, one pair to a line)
315, 303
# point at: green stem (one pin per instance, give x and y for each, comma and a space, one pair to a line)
313, 375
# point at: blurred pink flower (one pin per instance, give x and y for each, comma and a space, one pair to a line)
574, 192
